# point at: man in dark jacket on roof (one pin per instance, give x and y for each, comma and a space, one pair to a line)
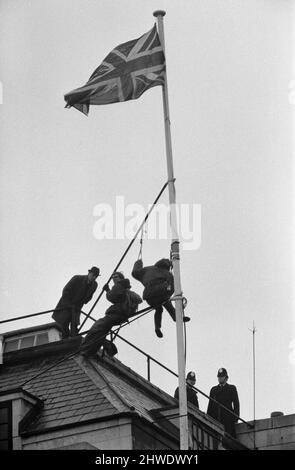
227, 395
124, 304
77, 292
158, 284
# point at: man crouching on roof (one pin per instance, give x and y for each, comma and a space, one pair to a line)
125, 304
158, 284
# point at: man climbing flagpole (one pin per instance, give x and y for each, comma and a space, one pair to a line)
125, 74
183, 421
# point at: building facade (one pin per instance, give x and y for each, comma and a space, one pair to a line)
51, 397
274, 433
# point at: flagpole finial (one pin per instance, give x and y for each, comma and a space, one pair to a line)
159, 13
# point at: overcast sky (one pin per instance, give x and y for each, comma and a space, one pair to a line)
229, 66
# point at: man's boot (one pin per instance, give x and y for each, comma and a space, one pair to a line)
159, 333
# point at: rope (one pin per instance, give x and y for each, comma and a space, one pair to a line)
141, 244
125, 252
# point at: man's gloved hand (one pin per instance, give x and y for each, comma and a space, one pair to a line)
106, 288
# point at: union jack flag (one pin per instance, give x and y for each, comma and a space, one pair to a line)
125, 74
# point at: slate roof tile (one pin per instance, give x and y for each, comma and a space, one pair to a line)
72, 394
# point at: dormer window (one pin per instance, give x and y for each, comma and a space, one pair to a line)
29, 337
26, 341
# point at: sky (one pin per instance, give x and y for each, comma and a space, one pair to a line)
230, 66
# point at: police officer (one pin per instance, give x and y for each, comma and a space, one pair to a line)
227, 395
192, 396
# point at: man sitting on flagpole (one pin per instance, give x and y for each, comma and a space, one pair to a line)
158, 284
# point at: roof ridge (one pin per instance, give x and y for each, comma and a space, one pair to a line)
92, 370
132, 407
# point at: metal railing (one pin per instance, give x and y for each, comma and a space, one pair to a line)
149, 358
27, 316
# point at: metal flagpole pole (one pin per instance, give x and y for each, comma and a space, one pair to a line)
254, 373
254, 384
253, 331
183, 421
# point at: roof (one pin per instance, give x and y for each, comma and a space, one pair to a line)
77, 390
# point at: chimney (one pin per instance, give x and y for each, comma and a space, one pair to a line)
275, 414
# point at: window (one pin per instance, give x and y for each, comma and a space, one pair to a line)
5, 426
11, 345
42, 338
202, 439
25, 342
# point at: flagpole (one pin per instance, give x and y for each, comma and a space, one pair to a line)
254, 383
183, 420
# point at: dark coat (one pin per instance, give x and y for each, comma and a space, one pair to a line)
227, 395
191, 394
75, 294
158, 282
125, 301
